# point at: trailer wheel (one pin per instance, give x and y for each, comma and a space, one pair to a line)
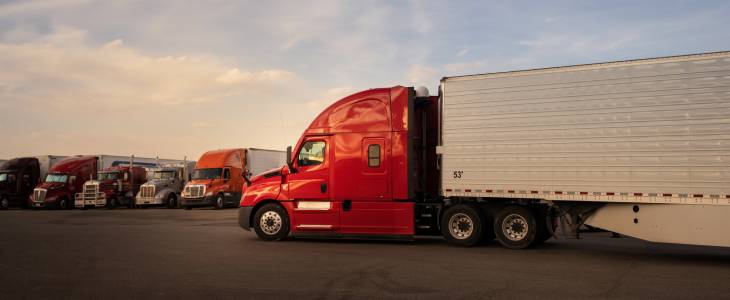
219, 202
462, 225
171, 201
4, 203
515, 227
271, 222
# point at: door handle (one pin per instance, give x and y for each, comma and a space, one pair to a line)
323, 188
347, 205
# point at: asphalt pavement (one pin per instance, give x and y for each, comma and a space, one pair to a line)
178, 254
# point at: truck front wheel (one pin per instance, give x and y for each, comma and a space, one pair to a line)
271, 222
515, 227
171, 201
219, 202
462, 225
4, 202
112, 203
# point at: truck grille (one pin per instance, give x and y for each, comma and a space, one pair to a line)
39, 195
147, 191
90, 191
195, 191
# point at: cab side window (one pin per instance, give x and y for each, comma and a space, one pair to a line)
311, 154
226, 174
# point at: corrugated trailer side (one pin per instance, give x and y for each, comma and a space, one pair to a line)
652, 131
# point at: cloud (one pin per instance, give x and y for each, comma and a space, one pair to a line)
64, 69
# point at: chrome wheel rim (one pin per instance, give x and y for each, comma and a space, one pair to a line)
4, 203
515, 227
461, 226
270, 222
220, 201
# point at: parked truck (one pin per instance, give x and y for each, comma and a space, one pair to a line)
639, 148
117, 183
19, 176
164, 185
220, 174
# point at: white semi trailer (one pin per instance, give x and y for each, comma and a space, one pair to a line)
639, 147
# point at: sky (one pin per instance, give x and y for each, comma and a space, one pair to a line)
178, 78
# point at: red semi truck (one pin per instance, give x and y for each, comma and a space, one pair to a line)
113, 187
63, 181
635, 147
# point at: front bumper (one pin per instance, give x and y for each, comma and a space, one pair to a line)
244, 217
197, 202
99, 201
148, 201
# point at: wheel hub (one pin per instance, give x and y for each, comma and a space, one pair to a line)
461, 226
515, 227
270, 222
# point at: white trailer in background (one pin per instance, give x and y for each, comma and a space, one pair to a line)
45, 162
637, 147
261, 160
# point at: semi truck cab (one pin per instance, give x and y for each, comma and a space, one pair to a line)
114, 186
17, 179
164, 186
356, 171
217, 180
63, 181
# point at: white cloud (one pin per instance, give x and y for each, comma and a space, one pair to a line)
63, 68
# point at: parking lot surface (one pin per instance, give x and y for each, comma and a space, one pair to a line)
161, 253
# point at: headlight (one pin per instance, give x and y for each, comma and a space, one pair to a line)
209, 194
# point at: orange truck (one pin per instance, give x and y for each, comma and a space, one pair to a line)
220, 174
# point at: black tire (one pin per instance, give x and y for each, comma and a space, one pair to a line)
543, 230
171, 201
4, 203
276, 222
63, 203
188, 207
220, 202
515, 227
463, 225
112, 203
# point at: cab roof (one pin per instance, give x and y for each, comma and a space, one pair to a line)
17, 163
221, 158
70, 163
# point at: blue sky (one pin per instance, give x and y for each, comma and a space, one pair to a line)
175, 78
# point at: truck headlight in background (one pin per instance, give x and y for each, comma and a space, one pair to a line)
208, 194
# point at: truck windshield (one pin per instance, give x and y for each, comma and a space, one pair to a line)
162, 175
109, 176
7, 177
56, 178
207, 173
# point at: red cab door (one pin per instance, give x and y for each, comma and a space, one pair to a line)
309, 187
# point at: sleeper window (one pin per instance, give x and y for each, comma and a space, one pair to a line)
374, 156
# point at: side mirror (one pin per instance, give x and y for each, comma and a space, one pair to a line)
289, 161
246, 176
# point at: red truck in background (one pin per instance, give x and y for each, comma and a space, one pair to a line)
63, 181
113, 187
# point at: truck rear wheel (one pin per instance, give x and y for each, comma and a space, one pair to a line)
271, 222
516, 227
463, 225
